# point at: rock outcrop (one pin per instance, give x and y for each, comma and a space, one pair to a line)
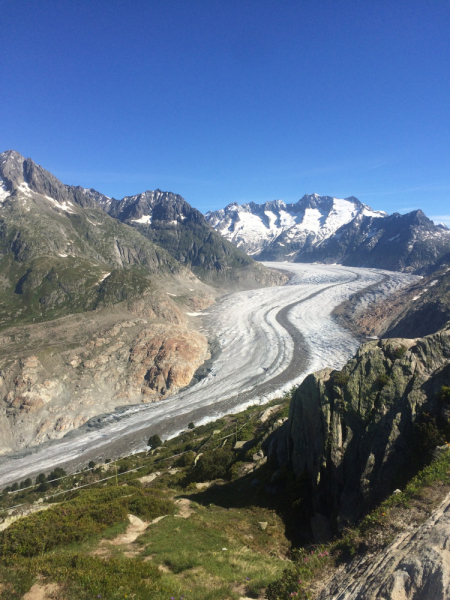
350, 433
415, 566
56, 376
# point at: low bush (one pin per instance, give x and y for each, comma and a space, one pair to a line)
427, 433
400, 351
185, 460
444, 394
84, 577
213, 465
55, 475
383, 380
87, 513
306, 563
149, 507
340, 378
154, 441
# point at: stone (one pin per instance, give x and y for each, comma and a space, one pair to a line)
239, 445
263, 417
258, 456
203, 485
262, 525
415, 566
197, 458
245, 469
149, 478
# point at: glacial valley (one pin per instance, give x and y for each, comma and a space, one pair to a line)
269, 340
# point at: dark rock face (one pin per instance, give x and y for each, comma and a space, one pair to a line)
408, 242
428, 311
352, 439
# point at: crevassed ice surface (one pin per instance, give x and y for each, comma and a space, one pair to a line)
257, 360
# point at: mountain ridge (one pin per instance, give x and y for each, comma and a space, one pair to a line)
331, 230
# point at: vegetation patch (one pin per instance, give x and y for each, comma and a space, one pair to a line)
89, 513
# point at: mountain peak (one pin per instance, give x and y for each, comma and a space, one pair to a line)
314, 218
11, 169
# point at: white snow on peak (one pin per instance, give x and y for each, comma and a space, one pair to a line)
24, 188
4, 193
144, 219
312, 219
66, 206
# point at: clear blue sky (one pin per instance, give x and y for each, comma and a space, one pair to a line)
222, 101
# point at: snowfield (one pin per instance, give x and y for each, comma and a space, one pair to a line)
269, 339
313, 219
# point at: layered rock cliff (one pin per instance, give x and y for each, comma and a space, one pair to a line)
350, 433
415, 566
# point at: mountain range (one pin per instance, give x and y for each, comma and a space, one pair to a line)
332, 230
98, 299
66, 249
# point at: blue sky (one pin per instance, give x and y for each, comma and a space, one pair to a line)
224, 101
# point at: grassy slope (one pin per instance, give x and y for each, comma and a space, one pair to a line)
220, 551
54, 263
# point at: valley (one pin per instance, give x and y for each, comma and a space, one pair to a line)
269, 340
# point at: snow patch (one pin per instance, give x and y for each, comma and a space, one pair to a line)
198, 314
147, 219
66, 206
394, 238
4, 193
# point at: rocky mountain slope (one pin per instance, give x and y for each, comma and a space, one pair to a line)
57, 258
420, 309
330, 230
169, 221
413, 567
353, 433
55, 376
93, 312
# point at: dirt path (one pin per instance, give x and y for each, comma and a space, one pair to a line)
42, 592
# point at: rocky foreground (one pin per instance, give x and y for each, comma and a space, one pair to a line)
352, 436
415, 566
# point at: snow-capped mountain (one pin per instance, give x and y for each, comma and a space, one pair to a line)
286, 228
333, 230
